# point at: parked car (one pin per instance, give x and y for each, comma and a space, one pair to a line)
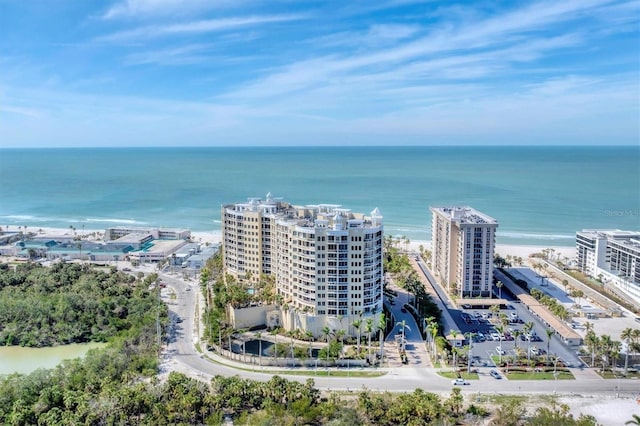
403, 310
495, 374
500, 350
459, 382
495, 337
466, 306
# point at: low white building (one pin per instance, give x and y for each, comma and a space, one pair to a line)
613, 256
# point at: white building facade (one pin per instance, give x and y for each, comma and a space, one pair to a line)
463, 241
613, 256
326, 260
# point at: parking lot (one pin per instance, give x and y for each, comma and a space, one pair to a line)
487, 341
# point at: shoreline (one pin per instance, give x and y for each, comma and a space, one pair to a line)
215, 237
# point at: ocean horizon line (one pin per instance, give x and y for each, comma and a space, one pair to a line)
302, 147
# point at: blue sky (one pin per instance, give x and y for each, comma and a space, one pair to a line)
385, 72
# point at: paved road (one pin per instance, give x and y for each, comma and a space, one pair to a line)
181, 355
414, 344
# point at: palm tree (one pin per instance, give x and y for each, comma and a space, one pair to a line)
606, 349
499, 284
577, 294
340, 335
593, 342
357, 324
369, 329
549, 334
454, 351
309, 336
500, 331
274, 333
588, 326
527, 330
494, 309
327, 332
382, 325
469, 348
433, 329
627, 336
516, 336
635, 420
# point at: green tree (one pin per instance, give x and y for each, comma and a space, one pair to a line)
382, 325
628, 336
455, 401
635, 420
549, 333
369, 330
509, 413
357, 324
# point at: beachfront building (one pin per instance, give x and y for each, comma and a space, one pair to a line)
157, 233
612, 256
463, 243
326, 260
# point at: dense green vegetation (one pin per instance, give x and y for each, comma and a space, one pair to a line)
70, 303
100, 390
76, 303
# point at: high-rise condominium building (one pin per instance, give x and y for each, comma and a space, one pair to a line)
326, 260
462, 254
613, 256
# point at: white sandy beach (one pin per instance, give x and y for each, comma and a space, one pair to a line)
214, 237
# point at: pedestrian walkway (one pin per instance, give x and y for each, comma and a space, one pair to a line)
585, 374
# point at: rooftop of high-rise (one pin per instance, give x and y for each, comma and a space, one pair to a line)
465, 214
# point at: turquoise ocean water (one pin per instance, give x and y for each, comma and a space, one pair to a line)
540, 195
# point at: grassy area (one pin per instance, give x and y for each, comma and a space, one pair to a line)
295, 371
463, 374
532, 375
608, 374
500, 399
323, 372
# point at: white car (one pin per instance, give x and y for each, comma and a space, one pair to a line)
495, 337
500, 350
459, 382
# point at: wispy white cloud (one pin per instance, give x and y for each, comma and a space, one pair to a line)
195, 27
181, 55
508, 35
152, 8
28, 112
375, 36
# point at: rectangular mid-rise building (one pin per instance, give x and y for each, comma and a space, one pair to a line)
612, 256
463, 244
